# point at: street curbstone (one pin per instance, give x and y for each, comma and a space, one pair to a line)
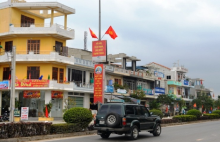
9, 140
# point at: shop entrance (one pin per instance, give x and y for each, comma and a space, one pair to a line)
5, 102
57, 107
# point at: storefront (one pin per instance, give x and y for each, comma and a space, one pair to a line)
4, 96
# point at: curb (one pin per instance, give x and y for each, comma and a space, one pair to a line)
44, 137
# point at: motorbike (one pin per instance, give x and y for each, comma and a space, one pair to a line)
5, 117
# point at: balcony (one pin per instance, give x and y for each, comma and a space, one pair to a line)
174, 83
44, 56
82, 87
121, 71
84, 63
41, 30
61, 86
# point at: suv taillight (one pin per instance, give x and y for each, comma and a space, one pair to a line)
94, 121
123, 121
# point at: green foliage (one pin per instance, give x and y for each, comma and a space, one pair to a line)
216, 112
118, 86
217, 103
49, 106
68, 103
154, 104
165, 99
181, 103
82, 116
157, 112
139, 94
194, 112
65, 128
185, 118
17, 103
212, 115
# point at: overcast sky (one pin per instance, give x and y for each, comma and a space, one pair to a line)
161, 31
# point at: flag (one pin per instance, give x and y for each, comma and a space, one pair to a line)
46, 111
194, 105
9, 77
213, 95
92, 33
65, 79
211, 108
41, 77
166, 109
111, 32
48, 77
201, 81
202, 106
25, 77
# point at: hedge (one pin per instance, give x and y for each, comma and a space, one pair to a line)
212, 115
24, 129
167, 121
216, 112
65, 128
185, 118
194, 112
157, 112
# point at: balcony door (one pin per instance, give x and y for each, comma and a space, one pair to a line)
6, 73
33, 72
8, 46
61, 76
26, 21
34, 46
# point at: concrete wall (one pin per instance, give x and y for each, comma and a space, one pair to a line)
79, 53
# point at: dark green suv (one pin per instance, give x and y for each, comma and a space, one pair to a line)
128, 119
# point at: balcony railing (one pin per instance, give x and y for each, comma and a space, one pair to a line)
83, 62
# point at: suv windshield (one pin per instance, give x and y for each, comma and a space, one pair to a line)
105, 109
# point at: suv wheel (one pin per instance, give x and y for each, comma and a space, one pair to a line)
105, 135
157, 130
112, 119
134, 132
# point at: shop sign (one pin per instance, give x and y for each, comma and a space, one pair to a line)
31, 94
4, 84
109, 89
118, 100
31, 83
24, 113
121, 91
16, 112
186, 82
56, 94
160, 90
99, 75
148, 91
99, 51
158, 74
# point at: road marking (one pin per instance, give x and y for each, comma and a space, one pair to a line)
199, 139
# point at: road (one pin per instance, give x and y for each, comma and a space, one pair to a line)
198, 132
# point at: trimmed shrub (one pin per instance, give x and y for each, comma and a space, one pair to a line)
157, 112
212, 115
167, 121
65, 128
78, 115
203, 118
194, 112
216, 112
184, 118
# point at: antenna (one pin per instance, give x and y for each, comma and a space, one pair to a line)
85, 40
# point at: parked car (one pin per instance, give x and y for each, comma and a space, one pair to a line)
124, 118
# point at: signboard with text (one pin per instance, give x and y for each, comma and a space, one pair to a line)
31, 83
31, 94
24, 113
99, 51
4, 84
56, 94
99, 75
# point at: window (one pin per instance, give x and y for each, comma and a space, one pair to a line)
58, 47
34, 46
6, 73
61, 75
33, 73
138, 110
8, 46
54, 73
91, 75
78, 101
26, 21
103, 110
118, 81
129, 110
115, 109
168, 77
145, 111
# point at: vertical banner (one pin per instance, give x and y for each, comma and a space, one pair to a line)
99, 76
99, 51
24, 113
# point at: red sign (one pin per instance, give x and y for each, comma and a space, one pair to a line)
56, 94
99, 75
31, 94
31, 83
99, 52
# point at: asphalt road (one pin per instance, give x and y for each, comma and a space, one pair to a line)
198, 132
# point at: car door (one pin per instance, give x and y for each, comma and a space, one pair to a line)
130, 114
140, 117
148, 121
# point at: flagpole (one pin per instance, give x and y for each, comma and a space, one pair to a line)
99, 19
103, 36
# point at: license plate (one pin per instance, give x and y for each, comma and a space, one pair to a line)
101, 122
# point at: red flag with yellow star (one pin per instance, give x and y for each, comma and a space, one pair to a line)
92, 33
111, 32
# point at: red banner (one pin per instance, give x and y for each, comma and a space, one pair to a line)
56, 94
99, 51
31, 83
31, 94
99, 75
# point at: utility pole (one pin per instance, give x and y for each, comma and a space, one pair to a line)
99, 19
12, 97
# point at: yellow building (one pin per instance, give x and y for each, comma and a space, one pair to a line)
41, 54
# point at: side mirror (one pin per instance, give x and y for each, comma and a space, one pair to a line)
151, 113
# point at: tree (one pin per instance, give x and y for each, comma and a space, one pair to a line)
154, 104
139, 94
182, 104
165, 99
217, 104
204, 101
